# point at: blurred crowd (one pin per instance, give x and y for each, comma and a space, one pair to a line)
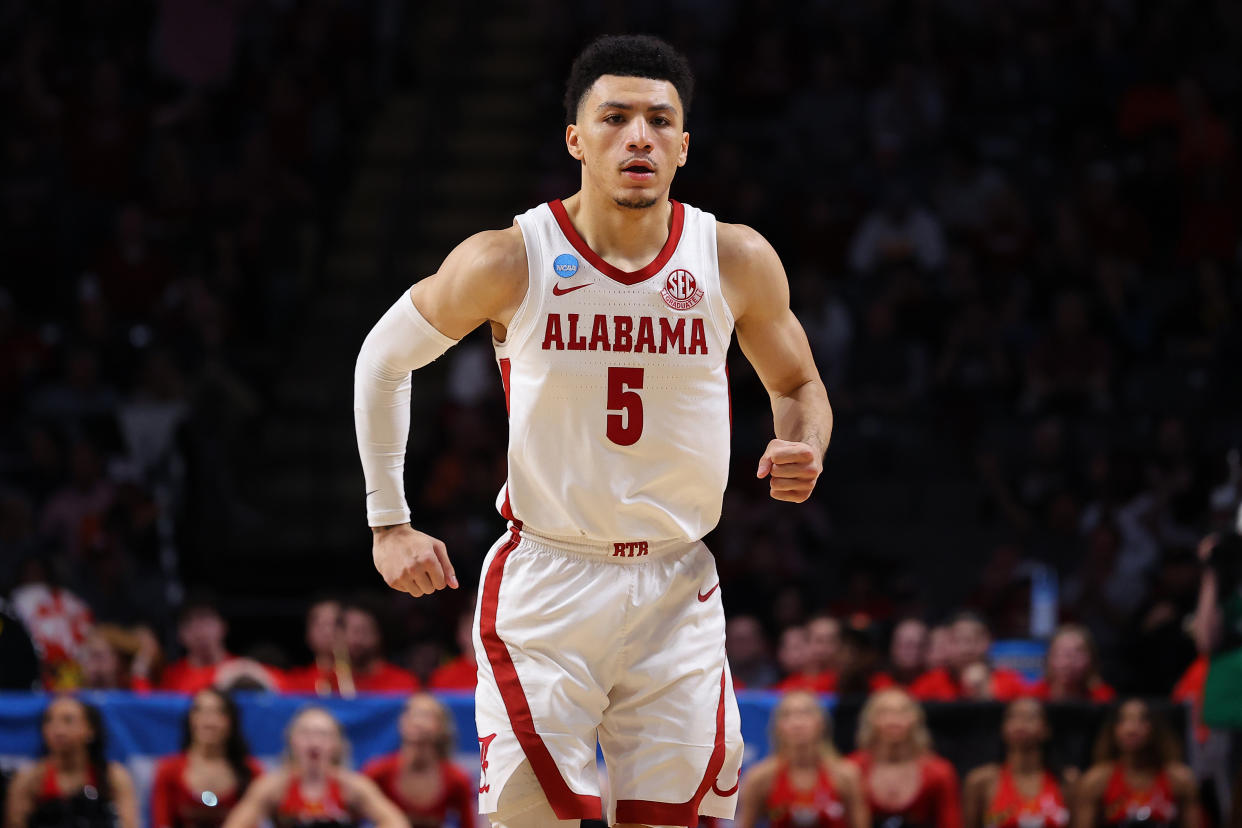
1012, 232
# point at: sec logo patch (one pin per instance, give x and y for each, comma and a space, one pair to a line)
681, 292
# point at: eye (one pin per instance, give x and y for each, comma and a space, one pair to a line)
614, 119
659, 121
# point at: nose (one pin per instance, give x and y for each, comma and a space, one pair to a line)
640, 138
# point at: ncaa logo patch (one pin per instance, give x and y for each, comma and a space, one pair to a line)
681, 292
565, 265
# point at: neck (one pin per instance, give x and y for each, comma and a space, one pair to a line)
206, 657
1061, 687
1133, 762
313, 774
893, 752
71, 761
803, 756
206, 751
620, 232
1024, 760
417, 757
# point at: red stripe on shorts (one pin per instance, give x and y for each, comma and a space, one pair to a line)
565, 803
681, 813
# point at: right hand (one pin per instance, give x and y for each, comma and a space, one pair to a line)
411, 561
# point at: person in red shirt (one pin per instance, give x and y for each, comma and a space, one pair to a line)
1021, 792
823, 635
328, 673
370, 672
906, 784
202, 630
968, 674
805, 782
74, 783
420, 778
907, 652
198, 787
1071, 672
462, 672
1137, 778
313, 788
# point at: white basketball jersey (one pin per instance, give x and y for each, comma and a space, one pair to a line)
616, 384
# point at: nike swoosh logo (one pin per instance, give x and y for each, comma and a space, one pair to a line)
373, 491
703, 596
556, 289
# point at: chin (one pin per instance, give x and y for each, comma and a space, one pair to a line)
635, 201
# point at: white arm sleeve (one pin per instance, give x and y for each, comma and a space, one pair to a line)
401, 341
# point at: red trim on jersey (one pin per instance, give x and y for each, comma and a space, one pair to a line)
615, 273
565, 803
683, 813
506, 510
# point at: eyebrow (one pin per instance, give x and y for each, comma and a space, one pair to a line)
660, 107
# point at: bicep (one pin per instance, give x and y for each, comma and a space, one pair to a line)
124, 796
253, 807
754, 790
375, 806
483, 279
776, 345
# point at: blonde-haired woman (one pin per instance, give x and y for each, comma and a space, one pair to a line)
906, 785
313, 787
804, 782
420, 778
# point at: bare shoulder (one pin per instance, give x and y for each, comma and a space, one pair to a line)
118, 776
751, 272
981, 777
496, 258
1094, 780
269, 785
24, 780
1181, 776
761, 774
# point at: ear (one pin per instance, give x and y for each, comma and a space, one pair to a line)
573, 142
685, 149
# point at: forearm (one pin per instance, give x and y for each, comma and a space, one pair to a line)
804, 415
400, 342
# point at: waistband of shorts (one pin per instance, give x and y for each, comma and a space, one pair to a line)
620, 551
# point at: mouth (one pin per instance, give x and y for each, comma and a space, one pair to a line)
639, 170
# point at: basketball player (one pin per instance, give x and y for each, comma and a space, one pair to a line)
599, 612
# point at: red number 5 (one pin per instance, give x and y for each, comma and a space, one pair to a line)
625, 427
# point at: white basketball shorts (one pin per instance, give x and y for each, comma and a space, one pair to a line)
621, 643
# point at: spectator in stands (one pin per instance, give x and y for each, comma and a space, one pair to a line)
421, 778
1136, 778
58, 621
747, 648
858, 664
804, 781
462, 672
198, 787
1021, 791
325, 637
894, 746
202, 630
969, 675
792, 654
907, 652
370, 672
939, 647
1071, 672
74, 783
819, 675
313, 786
118, 659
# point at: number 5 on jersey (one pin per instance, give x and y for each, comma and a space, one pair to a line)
625, 406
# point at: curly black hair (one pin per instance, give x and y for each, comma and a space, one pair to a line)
630, 56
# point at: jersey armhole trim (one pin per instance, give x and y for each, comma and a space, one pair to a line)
713, 253
519, 327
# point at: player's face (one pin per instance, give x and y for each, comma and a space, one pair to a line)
629, 138
1024, 724
65, 727
209, 721
1133, 727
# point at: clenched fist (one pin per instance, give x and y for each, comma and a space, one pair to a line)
411, 561
794, 468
